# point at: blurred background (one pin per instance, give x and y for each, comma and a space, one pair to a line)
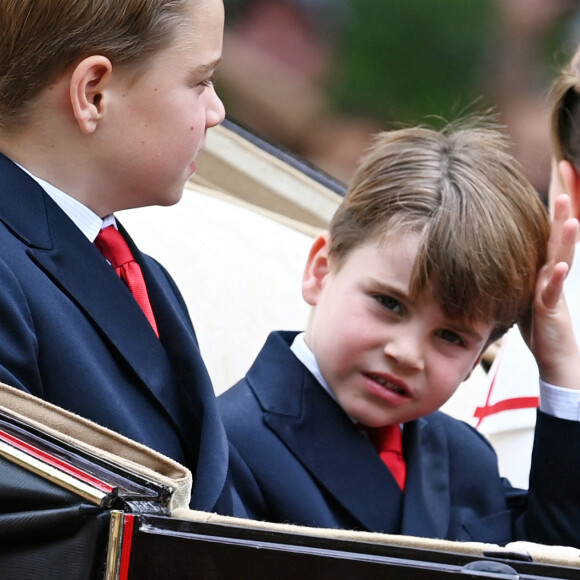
319, 77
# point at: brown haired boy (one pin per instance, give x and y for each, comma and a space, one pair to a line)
104, 105
438, 247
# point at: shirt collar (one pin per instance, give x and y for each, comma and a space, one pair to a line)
85, 219
307, 358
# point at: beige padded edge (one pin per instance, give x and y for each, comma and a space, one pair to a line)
554, 555
231, 164
100, 441
289, 222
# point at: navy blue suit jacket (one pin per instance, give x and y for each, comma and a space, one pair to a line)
303, 461
72, 334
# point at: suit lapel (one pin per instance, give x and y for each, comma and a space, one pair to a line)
427, 494
323, 437
80, 271
192, 395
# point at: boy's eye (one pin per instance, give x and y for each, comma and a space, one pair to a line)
451, 337
389, 303
207, 82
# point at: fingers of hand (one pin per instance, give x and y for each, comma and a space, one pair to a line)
563, 233
554, 287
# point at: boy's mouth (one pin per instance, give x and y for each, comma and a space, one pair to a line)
388, 384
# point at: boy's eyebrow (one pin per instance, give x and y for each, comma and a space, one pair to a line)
388, 289
208, 67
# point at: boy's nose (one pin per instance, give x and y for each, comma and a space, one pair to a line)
216, 112
406, 350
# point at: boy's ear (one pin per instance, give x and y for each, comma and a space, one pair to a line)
88, 81
571, 182
317, 268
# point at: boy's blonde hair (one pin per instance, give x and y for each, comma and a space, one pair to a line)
483, 228
41, 39
565, 121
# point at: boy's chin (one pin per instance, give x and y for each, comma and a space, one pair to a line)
172, 195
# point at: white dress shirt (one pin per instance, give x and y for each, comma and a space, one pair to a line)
85, 219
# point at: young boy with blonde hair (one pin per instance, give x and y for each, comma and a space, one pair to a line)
439, 246
104, 105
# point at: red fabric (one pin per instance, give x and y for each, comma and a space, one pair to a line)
388, 441
115, 249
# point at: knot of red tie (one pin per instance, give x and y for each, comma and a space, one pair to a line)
114, 248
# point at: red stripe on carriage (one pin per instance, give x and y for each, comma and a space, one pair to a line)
126, 545
56, 462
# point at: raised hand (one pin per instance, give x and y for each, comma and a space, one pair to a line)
548, 331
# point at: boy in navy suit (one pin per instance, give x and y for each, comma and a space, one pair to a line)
439, 246
104, 105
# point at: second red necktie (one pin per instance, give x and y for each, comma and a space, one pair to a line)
388, 441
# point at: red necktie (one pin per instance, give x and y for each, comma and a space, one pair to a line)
388, 441
115, 249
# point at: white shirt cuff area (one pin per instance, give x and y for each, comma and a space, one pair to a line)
560, 402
